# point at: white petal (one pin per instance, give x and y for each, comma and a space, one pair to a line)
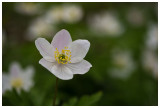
45, 49
27, 84
62, 72
61, 39
79, 49
58, 70
29, 72
15, 70
28, 78
46, 64
80, 67
5, 82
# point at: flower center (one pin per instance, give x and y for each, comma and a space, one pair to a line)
17, 83
64, 57
121, 63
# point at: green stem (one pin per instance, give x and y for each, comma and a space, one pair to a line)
56, 88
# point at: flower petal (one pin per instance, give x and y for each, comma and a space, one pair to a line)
62, 72
80, 67
79, 49
15, 70
5, 83
61, 39
45, 49
48, 65
58, 70
28, 78
29, 72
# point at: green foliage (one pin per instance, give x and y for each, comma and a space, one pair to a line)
85, 100
90, 100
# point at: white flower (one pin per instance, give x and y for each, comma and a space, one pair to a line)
106, 23
62, 57
149, 56
152, 37
55, 14
28, 8
150, 62
135, 17
72, 13
17, 78
123, 65
39, 27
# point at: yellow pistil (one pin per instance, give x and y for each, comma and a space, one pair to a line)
17, 83
64, 57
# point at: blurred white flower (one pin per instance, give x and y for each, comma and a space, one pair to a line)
62, 57
152, 37
55, 14
40, 27
150, 62
72, 13
28, 8
64, 13
106, 23
135, 16
17, 78
149, 56
123, 65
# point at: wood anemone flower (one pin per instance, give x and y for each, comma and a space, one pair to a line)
62, 57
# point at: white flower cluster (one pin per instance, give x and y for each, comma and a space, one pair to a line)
45, 25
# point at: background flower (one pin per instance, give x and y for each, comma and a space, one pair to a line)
17, 78
135, 16
28, 8
107, 23
123, 65
55, 14
37, 29
152, 37
150, 62
72, 13
149, 55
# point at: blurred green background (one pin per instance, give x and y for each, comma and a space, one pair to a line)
123, 52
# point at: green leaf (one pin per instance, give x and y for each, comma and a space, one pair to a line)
71, 102
89, 100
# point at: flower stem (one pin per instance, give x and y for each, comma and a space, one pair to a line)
56, 88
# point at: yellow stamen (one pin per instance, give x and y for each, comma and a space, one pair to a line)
64, 57
17, 83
